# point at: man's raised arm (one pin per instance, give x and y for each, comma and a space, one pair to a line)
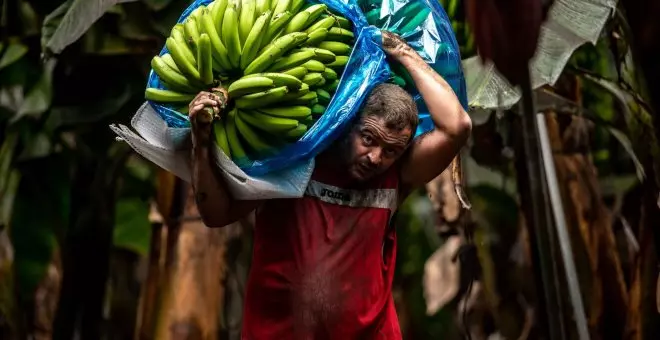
214, 201
432, 152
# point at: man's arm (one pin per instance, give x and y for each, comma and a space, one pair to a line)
432, 152
214, 202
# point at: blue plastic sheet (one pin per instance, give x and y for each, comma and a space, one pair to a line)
433, 39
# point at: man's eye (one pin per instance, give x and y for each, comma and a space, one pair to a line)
390, 152
367, 139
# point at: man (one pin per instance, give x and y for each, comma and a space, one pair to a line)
323, 264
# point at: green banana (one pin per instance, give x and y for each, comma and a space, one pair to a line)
219, 50
237, 151
340, 34
326, 23
316, 37
315, 12
280, 79
275, 50
262, 6
323, 96
267, 122
312, 78
191, 31
343, 22
340, 61
280, 6
398, 81
205, 59
253, 40
218, 14
336, 47
309, 120
247, 85
297, 22
329, 74
318, 109
314, 66
373, 17
246, 19
182, 63
292, 60
331, 87
167, 96
417, 20
261, 99
298, 72
277, 23
230, 35
167, 58
308, 99
296, 5
175, 80
321, 55
221, 137
258, 145
297, 132
294, 112
291, 95
177, 35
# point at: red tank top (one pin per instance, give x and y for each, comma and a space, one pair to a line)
323, 264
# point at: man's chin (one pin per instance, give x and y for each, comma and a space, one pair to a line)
361, 176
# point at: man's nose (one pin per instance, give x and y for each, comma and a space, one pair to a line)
375, 156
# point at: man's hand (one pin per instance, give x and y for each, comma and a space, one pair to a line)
201, 112
395, 47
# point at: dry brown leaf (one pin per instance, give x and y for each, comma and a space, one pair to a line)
441, 275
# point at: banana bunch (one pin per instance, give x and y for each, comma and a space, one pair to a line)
279, 60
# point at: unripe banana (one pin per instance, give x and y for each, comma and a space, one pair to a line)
298, 72
205, 64
251, 47
167, 96
258, 145
178, 36
312, 78
340, 62
323, 96
336, 47
182, 63
331, 87
320, 54
343, 22
308, 121
329, 74
220, 134
238, 153
307, 100
167, 58
318, 109
261, 99
314, 66
280, 6
296, 5
191, 32
316, 37
326, 23
340, 34
315, 12
297, 132
297, 22
246, 19
276, 25
219, 50
173, 79
262, 6
218, 14
287, 98
247, 85
267, 122
280, 79
275, 50
230, 35
293, 60
294, 112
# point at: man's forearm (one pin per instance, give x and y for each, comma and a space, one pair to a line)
210, 191
443, 104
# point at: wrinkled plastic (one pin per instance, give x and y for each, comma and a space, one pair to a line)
432, 38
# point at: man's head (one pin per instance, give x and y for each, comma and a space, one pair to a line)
382, 132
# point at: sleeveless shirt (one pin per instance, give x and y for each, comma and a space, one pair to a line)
323, 264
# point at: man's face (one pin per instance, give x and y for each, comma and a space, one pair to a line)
371, 148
